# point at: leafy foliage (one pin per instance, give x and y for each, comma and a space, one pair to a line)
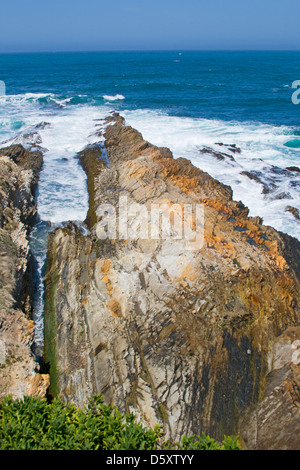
36, 424
204, 442
33, 423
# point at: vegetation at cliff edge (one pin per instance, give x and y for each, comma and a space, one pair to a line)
37, 424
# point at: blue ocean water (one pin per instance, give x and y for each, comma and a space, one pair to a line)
242, 86
184, 100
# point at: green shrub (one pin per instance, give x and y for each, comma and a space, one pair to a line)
204, 442
36, 424
33, 423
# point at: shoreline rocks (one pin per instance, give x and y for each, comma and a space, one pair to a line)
19, 170
179, 337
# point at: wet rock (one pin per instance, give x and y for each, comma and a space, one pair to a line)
293, 211
252, 175
232, 147
219, 155
293, 168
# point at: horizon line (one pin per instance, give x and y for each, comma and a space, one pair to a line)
144, 50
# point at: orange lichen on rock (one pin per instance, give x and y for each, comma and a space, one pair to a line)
105, 269
221, 245
188, 272
106, 266
254, 299
275, 258
114, 306
218, 205
185, 183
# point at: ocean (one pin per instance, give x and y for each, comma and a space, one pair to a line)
189, 101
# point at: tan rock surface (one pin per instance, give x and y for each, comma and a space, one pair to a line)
275, 422
19, 170
176, 336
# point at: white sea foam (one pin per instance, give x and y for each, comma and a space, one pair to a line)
62, 192
262, 153
62, 187
113, 98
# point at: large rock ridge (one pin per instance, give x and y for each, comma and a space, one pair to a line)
19, 371
191, 339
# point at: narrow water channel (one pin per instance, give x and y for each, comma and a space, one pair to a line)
62, 194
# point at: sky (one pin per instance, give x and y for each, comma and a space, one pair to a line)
96, 25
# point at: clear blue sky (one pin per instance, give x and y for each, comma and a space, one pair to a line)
61, 25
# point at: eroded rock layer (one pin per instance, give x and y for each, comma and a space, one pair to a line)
19, 372
182, 337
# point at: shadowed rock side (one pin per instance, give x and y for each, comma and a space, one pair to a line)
179, 337
274, 423
19, 373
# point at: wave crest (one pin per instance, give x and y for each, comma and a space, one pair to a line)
114, 97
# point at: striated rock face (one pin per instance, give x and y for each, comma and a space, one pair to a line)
275, 422
178, 335
19, 169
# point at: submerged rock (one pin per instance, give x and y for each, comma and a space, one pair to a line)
178, 334
293, 168
232, 147
294, 211
219, 155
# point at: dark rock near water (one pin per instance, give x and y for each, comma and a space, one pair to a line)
232, 147
293, 211
219, 155
293, 168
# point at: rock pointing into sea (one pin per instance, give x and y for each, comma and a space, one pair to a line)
190, 337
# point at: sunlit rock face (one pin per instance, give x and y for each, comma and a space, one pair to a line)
19, 372
180, 334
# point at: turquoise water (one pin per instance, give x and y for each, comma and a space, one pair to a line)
293, 143
182, 100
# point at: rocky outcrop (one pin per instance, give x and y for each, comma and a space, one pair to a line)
275, 422
178, 334
293, 211
19, 170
